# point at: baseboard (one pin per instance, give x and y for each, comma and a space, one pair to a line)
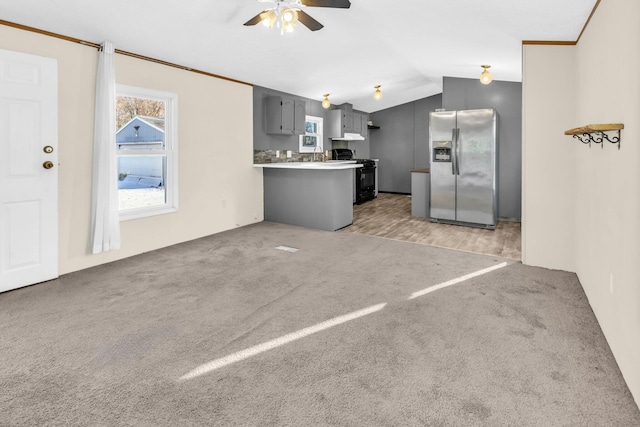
394, 192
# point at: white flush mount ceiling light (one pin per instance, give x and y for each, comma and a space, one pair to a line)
325, 102
377, 95
486, 77
285, 14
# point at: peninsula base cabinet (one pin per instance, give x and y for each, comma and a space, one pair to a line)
320, 199
285, 115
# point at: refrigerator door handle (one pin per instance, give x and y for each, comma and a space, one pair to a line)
453, 151
457, 151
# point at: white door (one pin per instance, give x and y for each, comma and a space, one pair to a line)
28, 184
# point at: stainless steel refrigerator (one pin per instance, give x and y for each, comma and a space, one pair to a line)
463, 167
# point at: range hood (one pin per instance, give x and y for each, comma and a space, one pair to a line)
350, 137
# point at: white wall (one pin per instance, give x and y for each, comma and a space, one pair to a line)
548, 167
219, 188
608, 180
600, 75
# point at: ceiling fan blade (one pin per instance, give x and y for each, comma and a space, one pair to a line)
308, 21
343, 4
255, 20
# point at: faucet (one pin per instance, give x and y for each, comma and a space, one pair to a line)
320, 153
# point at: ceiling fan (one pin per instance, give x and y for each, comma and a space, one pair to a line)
285, 14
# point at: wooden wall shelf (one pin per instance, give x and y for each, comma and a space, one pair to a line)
585, 134
595, 128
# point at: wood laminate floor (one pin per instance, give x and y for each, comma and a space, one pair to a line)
389, 216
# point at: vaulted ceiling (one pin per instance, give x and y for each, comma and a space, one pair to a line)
405, 46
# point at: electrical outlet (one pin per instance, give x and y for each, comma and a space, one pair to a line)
277, 153
288, 154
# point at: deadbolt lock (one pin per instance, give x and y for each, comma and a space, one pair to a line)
48, 149
47, 164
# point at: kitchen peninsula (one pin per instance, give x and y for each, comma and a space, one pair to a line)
309, 194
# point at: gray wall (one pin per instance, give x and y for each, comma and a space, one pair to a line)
402, 142
264, 141
506, 98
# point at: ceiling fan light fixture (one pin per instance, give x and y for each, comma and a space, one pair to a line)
289, 15
285, 14
325, 102
377, 95
486, 77
289, 19
269, 18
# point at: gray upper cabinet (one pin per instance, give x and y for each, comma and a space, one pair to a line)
357, 123
299, 117
347, 121
340, 121
285, 115
365, 126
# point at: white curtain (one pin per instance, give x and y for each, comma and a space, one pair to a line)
105, 218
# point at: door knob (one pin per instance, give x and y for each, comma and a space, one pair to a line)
48, 149
47, 165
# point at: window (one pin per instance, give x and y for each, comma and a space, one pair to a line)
311, 141
146, 149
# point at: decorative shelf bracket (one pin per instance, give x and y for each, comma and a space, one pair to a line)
596, 134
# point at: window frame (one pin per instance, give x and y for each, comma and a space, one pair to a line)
319, 135
170, 151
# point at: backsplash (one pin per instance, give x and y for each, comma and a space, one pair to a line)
280, 156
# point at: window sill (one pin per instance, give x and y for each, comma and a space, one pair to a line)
144, 213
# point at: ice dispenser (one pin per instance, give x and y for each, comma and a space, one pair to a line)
442, 151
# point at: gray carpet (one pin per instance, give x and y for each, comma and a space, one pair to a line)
108, 345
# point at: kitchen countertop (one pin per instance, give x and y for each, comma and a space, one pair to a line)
328, 165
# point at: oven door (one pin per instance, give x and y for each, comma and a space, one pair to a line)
365, 183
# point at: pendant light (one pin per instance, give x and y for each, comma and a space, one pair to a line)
486, 77
325, 102
377, 95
